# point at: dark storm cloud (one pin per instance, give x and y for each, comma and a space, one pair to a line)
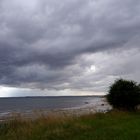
51, 44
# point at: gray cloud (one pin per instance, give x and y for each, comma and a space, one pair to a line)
52, 45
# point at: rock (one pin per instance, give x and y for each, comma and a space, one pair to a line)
86, 102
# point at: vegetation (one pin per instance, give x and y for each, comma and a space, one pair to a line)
115, 125
124, 94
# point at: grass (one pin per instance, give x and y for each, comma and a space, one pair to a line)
115, 125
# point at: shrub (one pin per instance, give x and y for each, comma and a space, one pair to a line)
124, 94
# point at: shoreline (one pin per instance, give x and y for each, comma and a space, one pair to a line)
87, 108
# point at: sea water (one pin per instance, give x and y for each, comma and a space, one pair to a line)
27, 104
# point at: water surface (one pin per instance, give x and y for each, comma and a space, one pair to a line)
24, 104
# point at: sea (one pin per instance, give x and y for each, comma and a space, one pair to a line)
27, 104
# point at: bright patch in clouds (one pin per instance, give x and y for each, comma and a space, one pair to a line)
93, 68
6, 91
23, 92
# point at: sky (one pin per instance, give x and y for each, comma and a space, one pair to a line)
67, 47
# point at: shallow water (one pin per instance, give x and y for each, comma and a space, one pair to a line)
27, 104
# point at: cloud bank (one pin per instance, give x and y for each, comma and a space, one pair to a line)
77, 45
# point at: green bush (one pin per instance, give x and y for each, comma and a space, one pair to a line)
124, 94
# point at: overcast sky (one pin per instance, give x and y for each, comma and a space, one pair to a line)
67, 47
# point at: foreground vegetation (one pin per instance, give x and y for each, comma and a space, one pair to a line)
115, 125
124, 94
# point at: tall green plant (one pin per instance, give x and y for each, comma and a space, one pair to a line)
124, 94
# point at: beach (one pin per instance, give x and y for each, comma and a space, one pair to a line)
88, 106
